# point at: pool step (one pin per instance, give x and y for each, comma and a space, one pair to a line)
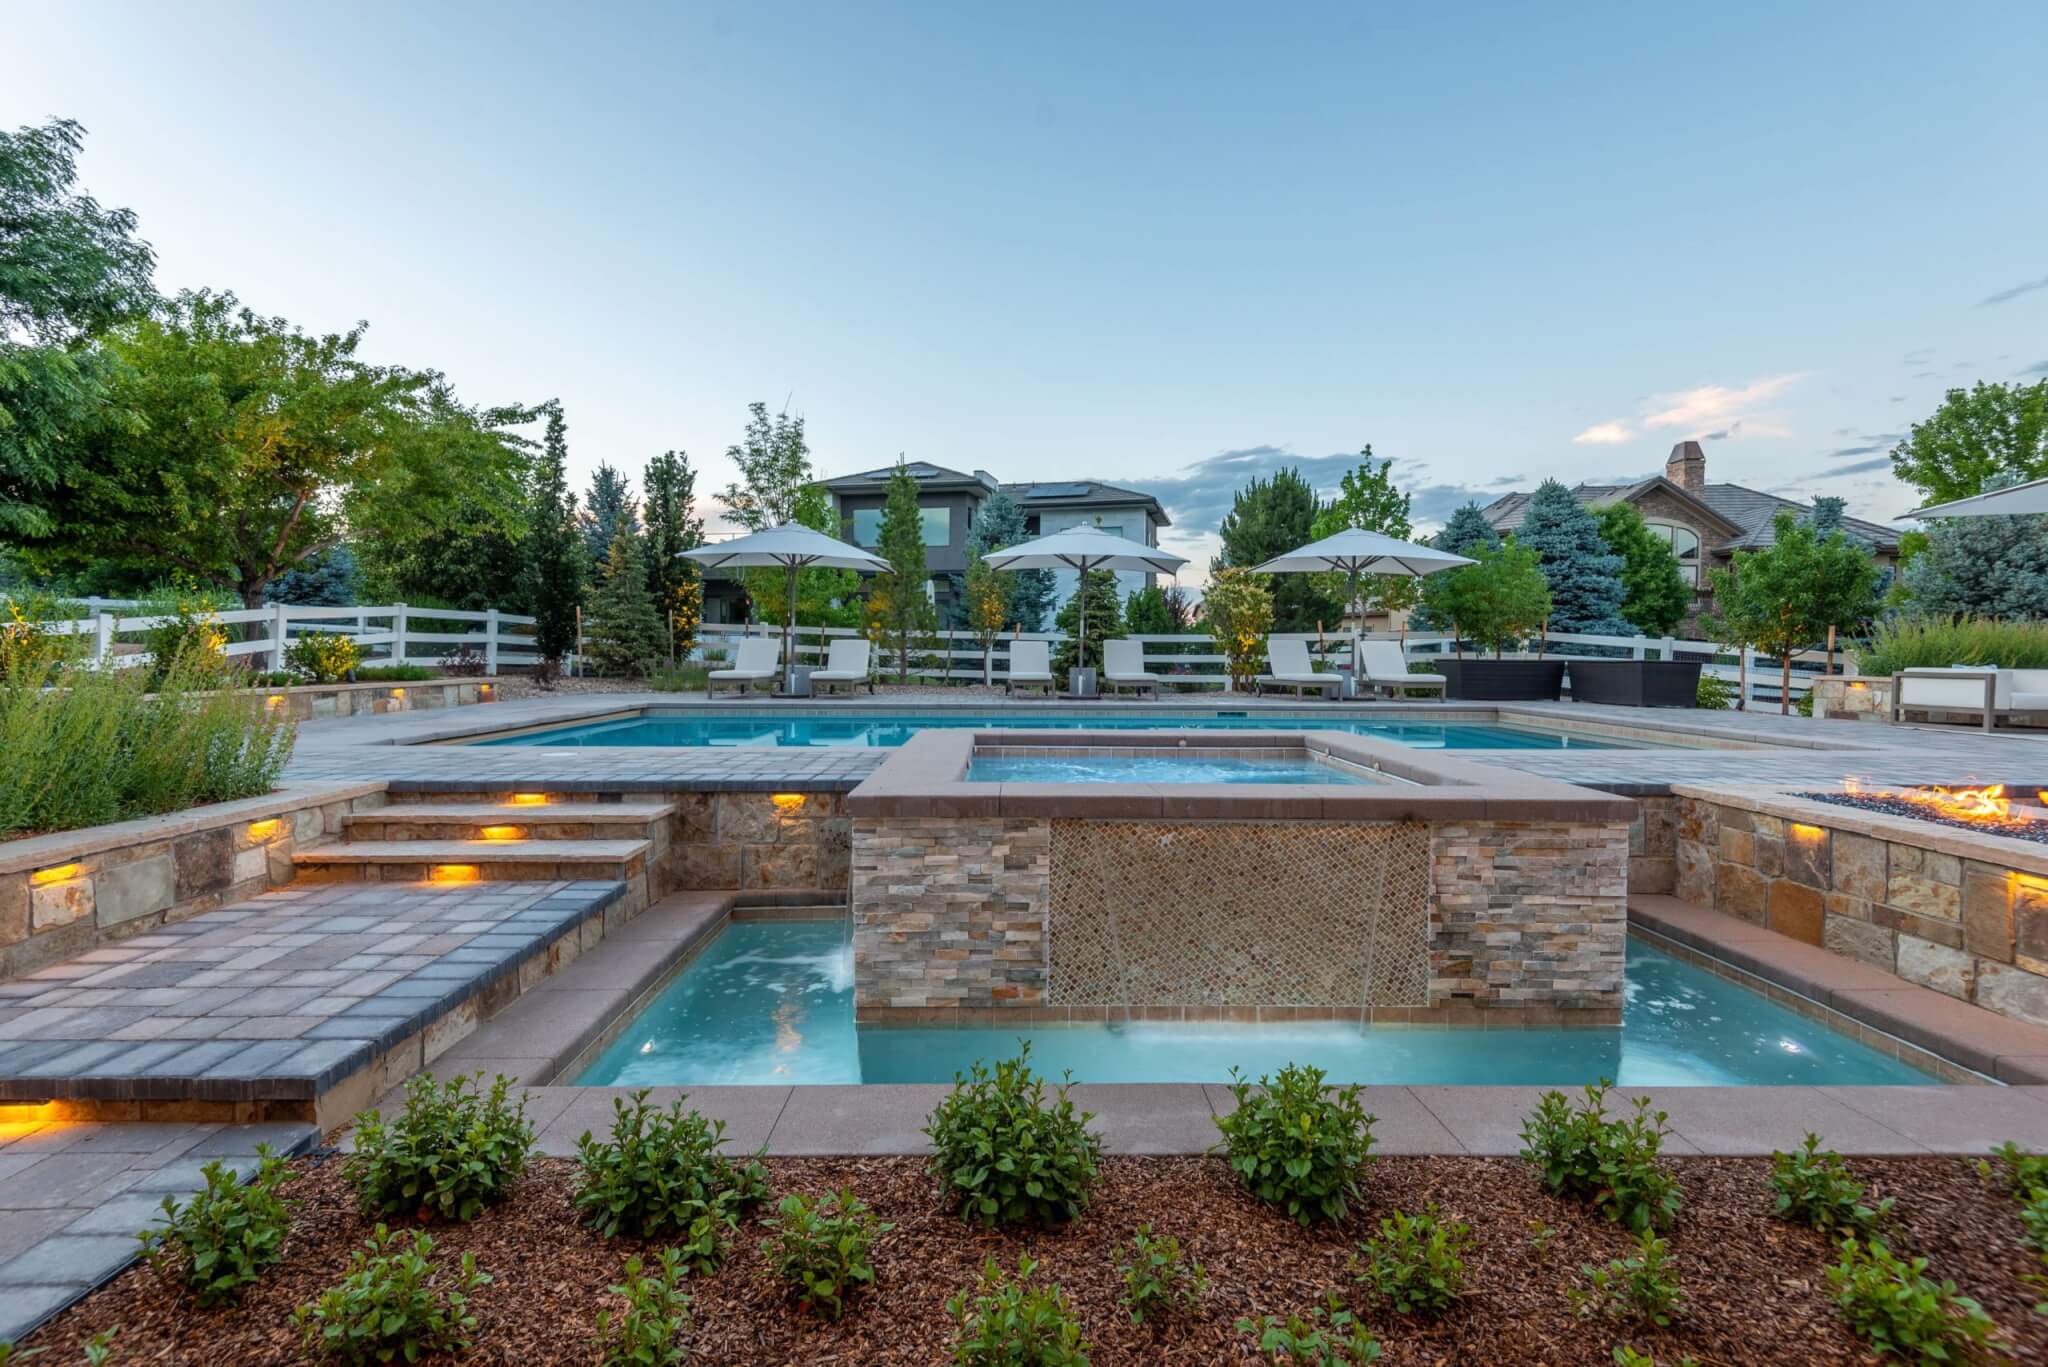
474, 861
547, 821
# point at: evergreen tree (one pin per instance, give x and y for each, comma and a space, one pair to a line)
1105, 621
609, 506
1993, 567
1584, 576
331, 579
1467, 528
554, 548
1828, 514
670, 487
1146, 613
899, 601
1269, 518
1655, 596
999, 523
624, 633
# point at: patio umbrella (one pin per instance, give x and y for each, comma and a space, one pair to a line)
1082, 549
2016, 500
1356, 552
795, 548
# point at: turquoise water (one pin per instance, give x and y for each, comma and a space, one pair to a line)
772, 1002
881, 731
1158, 769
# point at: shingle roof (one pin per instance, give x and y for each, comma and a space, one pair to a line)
1750, 510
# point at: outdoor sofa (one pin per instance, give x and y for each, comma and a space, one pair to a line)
1985, 693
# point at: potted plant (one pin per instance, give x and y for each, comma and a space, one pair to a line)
1496, 601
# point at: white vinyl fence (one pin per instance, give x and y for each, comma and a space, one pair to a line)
387, 634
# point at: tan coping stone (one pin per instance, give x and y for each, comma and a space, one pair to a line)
2025, 855
73, 846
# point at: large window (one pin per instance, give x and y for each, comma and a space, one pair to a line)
867, 526
1685, 544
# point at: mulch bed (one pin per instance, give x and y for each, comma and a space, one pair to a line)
1757, 1293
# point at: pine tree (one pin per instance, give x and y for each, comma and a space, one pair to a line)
554, 548
624, 632
670, 486
1269, 518
608, 507
1655, 596
1105, 621
999, 523
899, 603
1584, 576
1982, 567
1467, 528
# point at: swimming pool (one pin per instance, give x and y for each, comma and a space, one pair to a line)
1166, 768
771, 1002
886, 730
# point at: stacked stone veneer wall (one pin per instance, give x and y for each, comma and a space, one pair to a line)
1653, 845
309, 701
64, 894
1919, 906
1852, 699
1529, 914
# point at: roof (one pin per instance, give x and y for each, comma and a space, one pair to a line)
923, 471
1745, 513
1080, 493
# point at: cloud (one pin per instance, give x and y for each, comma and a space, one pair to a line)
2037, 368
2006, 295
1859, 467
1605, 434
1733, 429
1919, 357
1901, 398
1708, 412
1198, 497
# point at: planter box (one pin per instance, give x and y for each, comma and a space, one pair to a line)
1637, 683
1502, 680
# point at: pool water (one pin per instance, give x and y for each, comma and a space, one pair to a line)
772, 1002
1159, 769
882, 731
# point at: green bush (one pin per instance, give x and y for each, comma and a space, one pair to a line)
390, 1305
1326, 1336
323, 657
820, 1249
1625, 1356
221, 1240
1417, 1263
1004, 1323
1611, 1163
1157, 1279
1296, 1146
190, 640
1641, 1287
1937, 642
83, 747
28, 646
2024, 1172
1812, 1186
1714, 694
393, 674
1004, 1155
454, 1150
1900, 1310
661, 1176
656, 1315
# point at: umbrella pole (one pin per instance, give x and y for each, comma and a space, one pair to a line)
1081, 587
789, 631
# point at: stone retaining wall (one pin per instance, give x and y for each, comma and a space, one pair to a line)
306, 702
1529, 914
1852, 699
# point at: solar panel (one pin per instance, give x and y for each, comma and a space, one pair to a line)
1058, 491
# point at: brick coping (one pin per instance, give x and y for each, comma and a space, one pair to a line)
61, 847
2025, 856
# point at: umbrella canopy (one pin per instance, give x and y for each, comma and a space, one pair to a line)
1355, 552
1082, 549
793, 547
2017, 500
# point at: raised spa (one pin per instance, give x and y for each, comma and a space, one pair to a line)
1186, 766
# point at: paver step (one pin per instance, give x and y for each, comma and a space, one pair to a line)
493, 852
415, 821
423, 813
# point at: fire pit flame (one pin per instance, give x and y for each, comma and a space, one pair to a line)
1988, 803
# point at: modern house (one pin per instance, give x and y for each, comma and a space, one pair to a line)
1705, 523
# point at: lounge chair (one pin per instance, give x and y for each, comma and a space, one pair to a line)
1290, 666
1030, 666
1123, 666
846, 663
1986, 693
1382, 664
757, 662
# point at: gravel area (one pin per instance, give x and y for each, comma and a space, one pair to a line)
1756, 1287
2036, 831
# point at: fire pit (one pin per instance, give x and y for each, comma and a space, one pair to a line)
1990, 808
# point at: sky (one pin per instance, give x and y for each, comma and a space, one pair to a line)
1170, 246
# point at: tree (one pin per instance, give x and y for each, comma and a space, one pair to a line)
1655, 596
69, 270
998, 524
554, 548
1976, 433
1367, 500
1497, 600
1238, 612
1842, 590
624, 634
608, 506
826, 598
1146, 613
775, 466
262, 446
1105, 622
1584, 576
1781, 599
474, 563
899, 598
1268, 518
985, 602
1993, 567
331, 580
670, 489
1467, 528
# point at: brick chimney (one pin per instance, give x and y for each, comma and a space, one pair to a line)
1687, 467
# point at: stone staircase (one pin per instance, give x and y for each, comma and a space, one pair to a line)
529, 838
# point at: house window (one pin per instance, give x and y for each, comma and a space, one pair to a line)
1685, 544
867, 526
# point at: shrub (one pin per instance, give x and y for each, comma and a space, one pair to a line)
1296, 1146
1327, 1335
1937, 642
1625, 1356
454, 1150
1900, 1310
1004, 1323
323, 657
1715, 694
1004, 1155
656, 1314
222, 1239
1157, 1279
661, 1176
190, 638
28, 645
1417, 1263
683, 678
393, 674
389, 1305
820, 1249
2024, 1171
1611, 1163
1641, 1287
1812, 1186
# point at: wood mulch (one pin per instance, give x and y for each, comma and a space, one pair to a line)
1755, 1285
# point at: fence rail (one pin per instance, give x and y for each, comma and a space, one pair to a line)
386, 634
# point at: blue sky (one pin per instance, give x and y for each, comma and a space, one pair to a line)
1166, 245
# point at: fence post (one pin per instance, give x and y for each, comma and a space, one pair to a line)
1636, 651
1669, 649
491, 642
398, 634
279, 615
102, 639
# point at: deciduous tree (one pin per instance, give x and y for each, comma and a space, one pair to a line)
774, 461
1976, 433
985, 602
1368, 500
1655, 596
1496, 601
1237, 611
1781, 599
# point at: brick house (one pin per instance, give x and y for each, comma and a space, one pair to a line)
1705, 523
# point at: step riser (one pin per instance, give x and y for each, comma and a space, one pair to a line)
383, 826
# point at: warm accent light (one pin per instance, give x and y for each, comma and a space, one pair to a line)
504, 832
787, 802
1859, 687
263, 830
527, 800
2033, 883
397, 692
1806, 832
274, 700
1988, 803
56, 873
452, 873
